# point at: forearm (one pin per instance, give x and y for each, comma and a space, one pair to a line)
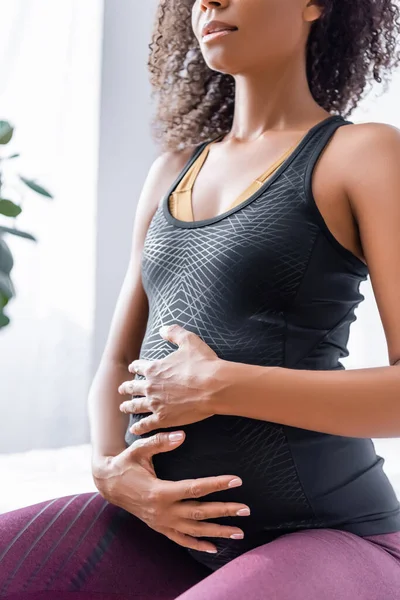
354, 403
107, 423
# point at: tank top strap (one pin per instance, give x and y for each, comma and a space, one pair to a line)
311, 157
314, 149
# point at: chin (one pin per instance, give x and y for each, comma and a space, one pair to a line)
221, 62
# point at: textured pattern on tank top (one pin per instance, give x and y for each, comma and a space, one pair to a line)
267, 285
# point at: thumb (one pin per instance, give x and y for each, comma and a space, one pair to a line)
155, 444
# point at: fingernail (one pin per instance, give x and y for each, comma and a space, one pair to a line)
243, 512
212, 551
174, 437
235, 482
237, 536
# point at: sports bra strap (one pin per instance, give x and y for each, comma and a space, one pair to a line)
180, 202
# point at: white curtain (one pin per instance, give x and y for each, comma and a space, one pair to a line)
50, 61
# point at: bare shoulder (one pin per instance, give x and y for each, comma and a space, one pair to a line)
160, 176
372, 131
362, 144
369, 151
358, 154
164, 170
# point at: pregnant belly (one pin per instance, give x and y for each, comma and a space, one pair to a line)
258, 453
255, 451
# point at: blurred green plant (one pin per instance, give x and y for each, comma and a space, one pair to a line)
10, 209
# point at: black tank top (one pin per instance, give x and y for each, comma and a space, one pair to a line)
266, 283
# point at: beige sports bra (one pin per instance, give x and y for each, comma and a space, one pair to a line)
180, 200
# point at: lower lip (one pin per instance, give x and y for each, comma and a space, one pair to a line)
217, 34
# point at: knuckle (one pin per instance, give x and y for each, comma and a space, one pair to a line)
154, 498
152, 368
137, 446
151, 513
194, 490
145, 443
157, 439
191, 336
149, 388
198, 515
160, 410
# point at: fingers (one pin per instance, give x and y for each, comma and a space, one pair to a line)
188, 489
199, 511
133, 386
146, 425
160, 442
136, 406
140, 365
190, 528
189, 542
196, 529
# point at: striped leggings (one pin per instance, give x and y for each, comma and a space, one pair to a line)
84, 548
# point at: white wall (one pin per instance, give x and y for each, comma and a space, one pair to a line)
126, 150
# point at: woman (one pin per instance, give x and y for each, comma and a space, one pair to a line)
247, 468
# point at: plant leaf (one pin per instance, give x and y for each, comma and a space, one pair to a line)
6, 258
6, 132
4, 321
17, 232
3, 301
35, 187
9, 209
6, 286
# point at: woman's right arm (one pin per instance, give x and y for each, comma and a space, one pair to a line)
107, 423
124, 475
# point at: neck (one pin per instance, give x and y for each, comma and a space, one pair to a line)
275, 99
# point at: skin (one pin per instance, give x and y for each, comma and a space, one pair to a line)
273, 110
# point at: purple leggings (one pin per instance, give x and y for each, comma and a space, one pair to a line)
84, 548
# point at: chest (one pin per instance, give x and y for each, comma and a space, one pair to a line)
251, 258
222, 180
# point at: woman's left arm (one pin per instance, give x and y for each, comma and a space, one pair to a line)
357, 402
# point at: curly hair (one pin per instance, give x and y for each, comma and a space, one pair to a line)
350, 45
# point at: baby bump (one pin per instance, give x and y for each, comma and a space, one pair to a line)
257, 452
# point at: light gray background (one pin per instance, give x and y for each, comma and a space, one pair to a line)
126, 150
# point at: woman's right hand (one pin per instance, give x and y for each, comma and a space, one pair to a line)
128, 480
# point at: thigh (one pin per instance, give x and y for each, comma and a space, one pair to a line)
308, 565
83, 547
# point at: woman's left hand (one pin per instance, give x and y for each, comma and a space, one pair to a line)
179, 389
